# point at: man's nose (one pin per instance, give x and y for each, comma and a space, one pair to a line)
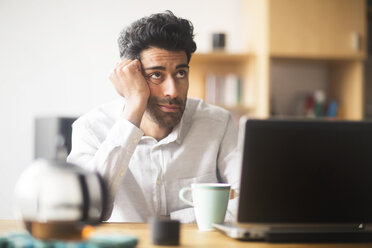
170, 87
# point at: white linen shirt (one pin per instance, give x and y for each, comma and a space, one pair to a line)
143, 175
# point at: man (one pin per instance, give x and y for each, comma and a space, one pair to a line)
154, 140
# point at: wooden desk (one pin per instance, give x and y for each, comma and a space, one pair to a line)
190, 237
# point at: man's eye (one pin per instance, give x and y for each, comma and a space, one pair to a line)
155, 75
181, 74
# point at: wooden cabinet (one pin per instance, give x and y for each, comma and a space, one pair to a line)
331, 33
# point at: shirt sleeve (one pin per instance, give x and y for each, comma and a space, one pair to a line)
109, 158
228, 165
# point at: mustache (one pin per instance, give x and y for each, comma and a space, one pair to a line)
168, 100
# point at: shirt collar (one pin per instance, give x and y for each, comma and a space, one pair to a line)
174, 135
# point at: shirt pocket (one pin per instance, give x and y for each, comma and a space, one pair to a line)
177, 204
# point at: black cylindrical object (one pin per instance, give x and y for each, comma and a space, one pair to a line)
219, 41
165, 231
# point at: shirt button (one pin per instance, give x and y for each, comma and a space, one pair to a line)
121, 174
158, 182
135, 141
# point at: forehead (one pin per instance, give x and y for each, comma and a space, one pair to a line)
158, 56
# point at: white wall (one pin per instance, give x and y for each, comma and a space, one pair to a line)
55, 56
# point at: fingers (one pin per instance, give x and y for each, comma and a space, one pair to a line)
128, 79
134, 65
125, 65
119, 67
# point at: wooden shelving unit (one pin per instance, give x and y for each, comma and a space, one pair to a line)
220, 63
332, 32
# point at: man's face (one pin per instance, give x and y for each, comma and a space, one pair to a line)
167, 74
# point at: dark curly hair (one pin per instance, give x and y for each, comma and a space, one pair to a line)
162, 30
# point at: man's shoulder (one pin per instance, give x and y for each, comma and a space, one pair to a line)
206, 111
106, 113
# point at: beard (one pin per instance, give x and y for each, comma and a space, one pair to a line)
165, 119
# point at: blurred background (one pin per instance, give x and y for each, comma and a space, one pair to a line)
262, 58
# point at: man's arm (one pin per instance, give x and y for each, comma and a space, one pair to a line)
228, 166
228, 172
111, 156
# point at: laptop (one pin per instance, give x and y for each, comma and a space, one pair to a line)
304, 181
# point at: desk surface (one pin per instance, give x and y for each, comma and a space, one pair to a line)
190, 237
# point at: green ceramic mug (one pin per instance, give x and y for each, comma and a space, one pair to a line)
209, 201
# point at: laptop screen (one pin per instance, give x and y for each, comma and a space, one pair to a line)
306, 172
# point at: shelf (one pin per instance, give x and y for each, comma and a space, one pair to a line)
220, 64
302, 32
219, 57
327, 57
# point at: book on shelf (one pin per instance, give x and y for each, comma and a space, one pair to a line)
223, 89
